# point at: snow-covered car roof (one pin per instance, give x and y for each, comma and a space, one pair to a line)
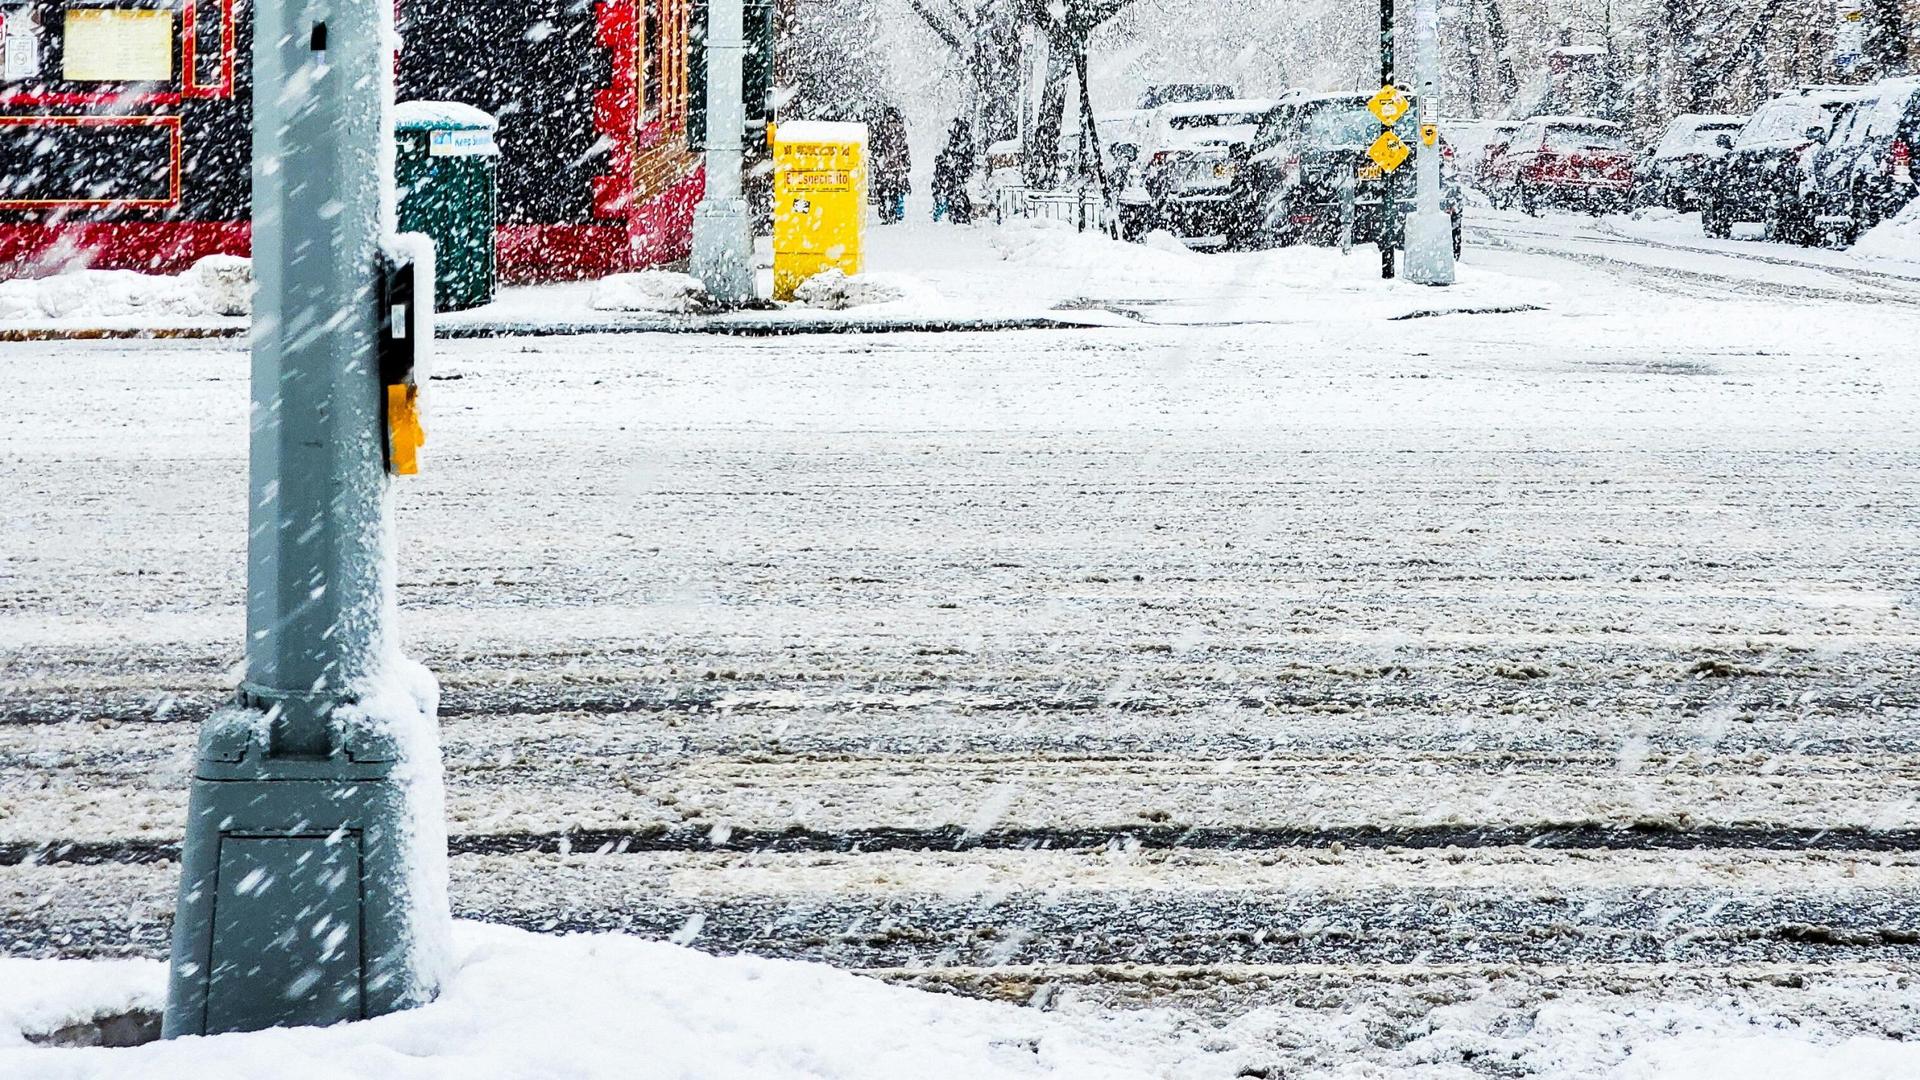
1572, 121
1890, 100
1700, 120
1220, 105
1825, 95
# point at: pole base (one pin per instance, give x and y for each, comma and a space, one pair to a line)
312, 890
1429, 256
723, 251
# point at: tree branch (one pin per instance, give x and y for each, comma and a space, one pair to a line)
1099, 11
946, 35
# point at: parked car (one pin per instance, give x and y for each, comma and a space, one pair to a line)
1576, 162
1473, 141
1864, 172
1290, 187
1767, 172
1188, 154
1679, 164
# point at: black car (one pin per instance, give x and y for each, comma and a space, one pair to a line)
1766, 174
1679, 164
1289, 184
1865, 171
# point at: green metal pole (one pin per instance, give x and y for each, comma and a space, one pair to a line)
313, 870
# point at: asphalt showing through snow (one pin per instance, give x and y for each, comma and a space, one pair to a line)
995, 660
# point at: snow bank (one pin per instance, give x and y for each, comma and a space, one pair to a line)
216, 285
660, 291
1898, 237
1177, 285
225, 282
587, 1006
607, 1005
42, 996
1772, 1057
835, 290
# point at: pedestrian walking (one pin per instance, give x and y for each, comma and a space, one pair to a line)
892, 164
952, 171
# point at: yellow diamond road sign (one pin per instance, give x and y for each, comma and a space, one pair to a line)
1389, 105
1388, 151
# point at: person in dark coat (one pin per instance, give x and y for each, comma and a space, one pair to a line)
891, 164
951, 171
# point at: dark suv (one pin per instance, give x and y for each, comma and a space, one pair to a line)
1677, 167
1766, 173
1288, 184
1865, 171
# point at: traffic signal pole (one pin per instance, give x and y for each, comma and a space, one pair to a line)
1429, 229
1388, 206
722, 239
313, 869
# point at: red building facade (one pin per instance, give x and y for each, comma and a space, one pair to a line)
125, 142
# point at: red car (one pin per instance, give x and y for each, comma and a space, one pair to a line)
1576, 162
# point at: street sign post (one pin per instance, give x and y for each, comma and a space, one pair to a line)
313, 874
1388, 102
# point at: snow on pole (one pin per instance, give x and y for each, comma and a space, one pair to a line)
1429, 229
722, 242
313, 875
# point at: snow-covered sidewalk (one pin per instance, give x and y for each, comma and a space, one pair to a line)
920, 276
611, 1006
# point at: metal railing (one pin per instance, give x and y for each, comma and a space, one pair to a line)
1084, 209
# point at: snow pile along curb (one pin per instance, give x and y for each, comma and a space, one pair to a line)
1898, 237
589, 1006
661, 291
216, 285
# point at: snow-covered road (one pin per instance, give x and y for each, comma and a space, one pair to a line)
1267, 641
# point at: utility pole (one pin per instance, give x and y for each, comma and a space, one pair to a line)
313, 875
722, 240
1388, 209
1429, 229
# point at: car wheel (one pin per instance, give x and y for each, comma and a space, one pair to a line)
1713, 220
1776, 222
1529, 203
1863, 215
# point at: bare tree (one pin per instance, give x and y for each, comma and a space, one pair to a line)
986, 35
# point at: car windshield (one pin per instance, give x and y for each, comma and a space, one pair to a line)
1191, 121
1569, 138
1783, 121
1346, 123
1693, 139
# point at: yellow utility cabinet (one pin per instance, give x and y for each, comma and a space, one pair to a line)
819, 200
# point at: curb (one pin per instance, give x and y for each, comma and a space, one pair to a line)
720, 327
